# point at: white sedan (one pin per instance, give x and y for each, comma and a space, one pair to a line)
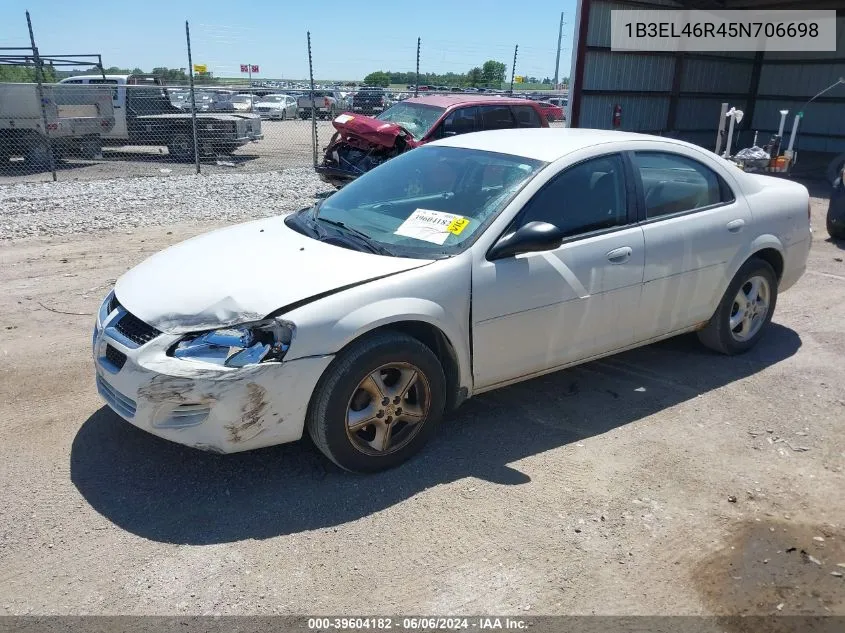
465, 265
276, 107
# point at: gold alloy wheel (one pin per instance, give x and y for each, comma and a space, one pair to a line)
750, 308
388, 408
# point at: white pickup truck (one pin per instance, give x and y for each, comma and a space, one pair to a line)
75, 122
144, 115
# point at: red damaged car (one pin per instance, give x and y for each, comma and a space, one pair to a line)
551, 111
362, 143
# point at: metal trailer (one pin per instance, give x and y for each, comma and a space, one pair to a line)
71, 122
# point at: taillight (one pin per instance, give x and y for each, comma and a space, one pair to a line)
326, 101
52, 126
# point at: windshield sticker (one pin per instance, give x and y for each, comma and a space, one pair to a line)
457, 225
344, 118
432, 226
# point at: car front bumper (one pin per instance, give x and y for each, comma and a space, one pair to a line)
201, 405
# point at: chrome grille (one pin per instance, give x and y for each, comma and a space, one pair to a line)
123, 405
135, 329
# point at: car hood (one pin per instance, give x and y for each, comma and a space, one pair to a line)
243, 273
372, 132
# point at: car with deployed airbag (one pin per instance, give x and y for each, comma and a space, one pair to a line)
468, 264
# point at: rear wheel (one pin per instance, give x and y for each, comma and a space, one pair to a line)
181, 147
378, 403
91, 148
745, 310
836, 226
38, 155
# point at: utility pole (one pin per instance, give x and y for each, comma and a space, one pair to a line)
193, 97
559, 41
39, 79
417, 80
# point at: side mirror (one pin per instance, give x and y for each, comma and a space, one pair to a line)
532, 238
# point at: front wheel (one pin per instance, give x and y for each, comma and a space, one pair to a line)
378, 403
745, 310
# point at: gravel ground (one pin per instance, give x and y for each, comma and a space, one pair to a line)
665, 480
62, 208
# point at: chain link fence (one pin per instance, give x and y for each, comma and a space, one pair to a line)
100, 126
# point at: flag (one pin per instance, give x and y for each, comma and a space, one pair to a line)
244, 68
255, 68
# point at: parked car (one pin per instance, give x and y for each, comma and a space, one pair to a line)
370, 100
326, 103
276, 107
561, 102
362, 143
244, 102
469, 264
551, 111
836, 208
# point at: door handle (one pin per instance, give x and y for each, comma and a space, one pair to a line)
620, 255
734, 226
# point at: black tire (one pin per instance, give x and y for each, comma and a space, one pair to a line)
835, 219
284, 114
717, 334
327, 413
91, 148
181, 147
38, 155
836, 230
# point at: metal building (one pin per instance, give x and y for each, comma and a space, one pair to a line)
680, 94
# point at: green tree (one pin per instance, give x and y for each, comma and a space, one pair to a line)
378, 78
25, 74
493, 72
474, 76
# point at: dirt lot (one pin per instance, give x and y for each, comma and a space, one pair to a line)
666, 480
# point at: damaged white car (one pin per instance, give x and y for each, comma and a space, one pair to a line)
459, 267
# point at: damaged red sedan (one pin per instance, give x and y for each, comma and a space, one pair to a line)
362, 143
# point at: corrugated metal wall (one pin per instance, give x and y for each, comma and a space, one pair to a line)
654, 99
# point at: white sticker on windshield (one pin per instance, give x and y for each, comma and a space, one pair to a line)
431, 226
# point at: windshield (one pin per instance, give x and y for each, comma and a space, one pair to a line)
273, 99
241, 99
414, 117
429, 202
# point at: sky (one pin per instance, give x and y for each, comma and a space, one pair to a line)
349, 38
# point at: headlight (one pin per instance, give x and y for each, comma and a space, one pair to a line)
106, 308
238, 345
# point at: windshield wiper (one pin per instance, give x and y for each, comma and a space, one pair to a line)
371, 244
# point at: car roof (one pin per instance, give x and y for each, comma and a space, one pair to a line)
449, 100
546, 144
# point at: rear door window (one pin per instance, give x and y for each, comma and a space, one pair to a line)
496, 117
675, 184
526, 116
